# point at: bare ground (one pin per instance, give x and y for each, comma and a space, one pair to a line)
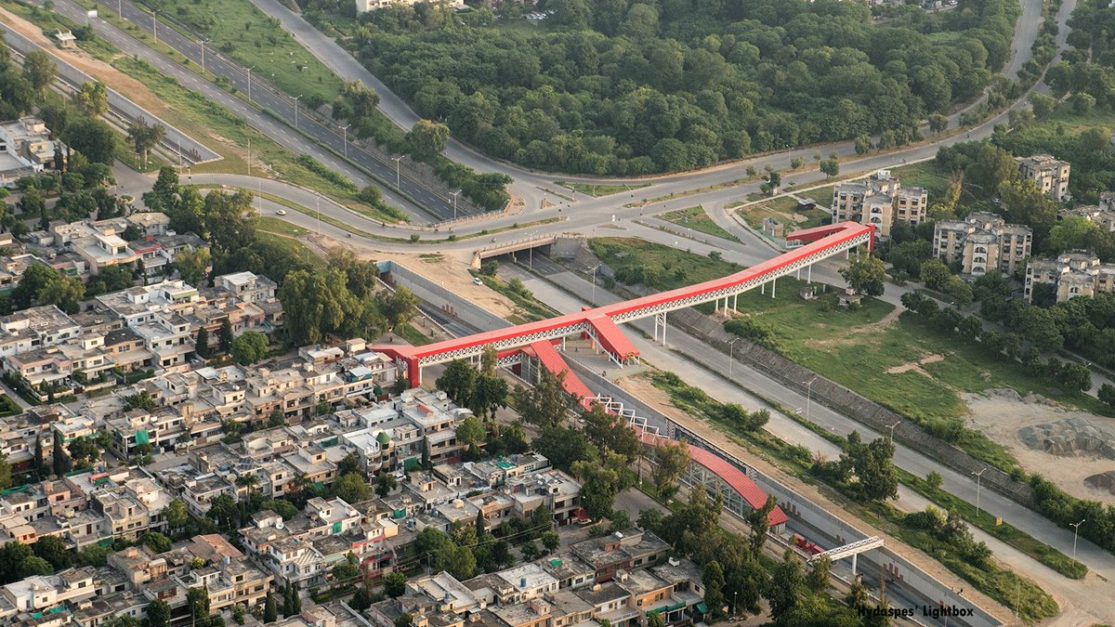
916, 366
1002, 413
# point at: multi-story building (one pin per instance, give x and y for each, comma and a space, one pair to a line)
1072, 274
1049, 174
35, 328
1102, 215
982, 242
26, 148
880, 201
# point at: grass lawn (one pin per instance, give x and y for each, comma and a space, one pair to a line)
663, 267
926, 174
202, 118
782, 209
294, 247
238, 29
412, 335
821, 195
280, 227
599, 190
696, 219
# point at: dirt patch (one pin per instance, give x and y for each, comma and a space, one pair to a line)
916, 366
1102, 481
136, 91
1003, 415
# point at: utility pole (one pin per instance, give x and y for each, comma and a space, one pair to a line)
731, 359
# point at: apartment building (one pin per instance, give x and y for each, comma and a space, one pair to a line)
982, 242
1049, 174
880, 201
1102, 215
1071, 274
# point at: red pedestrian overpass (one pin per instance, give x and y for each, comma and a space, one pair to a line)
536, 340
600, 324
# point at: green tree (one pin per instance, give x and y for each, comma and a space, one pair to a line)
156, 541
545, 403
398, 306
830, 167
817, 579
551, 540
470, 433
176, 515
144, 137
270, 612
427, 139
53, 550
1107, 394
201, 343
394, 585
250, 347
352, 488
157, 614
670, 461
866, 275
225, 337
92, 98
64, 292
60, 462
193, 266
1042, 105
785, 591
713, 580
385, 483
458, 381
92, 138
38, 70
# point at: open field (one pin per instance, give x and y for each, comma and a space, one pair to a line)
238, 29
925, 174
782, 209
695, 218
656, 266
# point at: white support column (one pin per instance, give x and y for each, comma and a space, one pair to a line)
763, 288
799, 274
735, 303
563, 343
854, 556
809, 274
773, 287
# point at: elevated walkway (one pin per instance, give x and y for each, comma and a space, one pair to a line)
613, 340
548, 356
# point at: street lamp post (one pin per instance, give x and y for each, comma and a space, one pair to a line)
731, 359
250, 83
345, 130
398, 176
594, 269
201, 42
296, 111
454, 195
978, 476
1075, 535
809, 396
896, 423
155, 24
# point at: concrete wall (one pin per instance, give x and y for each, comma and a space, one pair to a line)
437, 295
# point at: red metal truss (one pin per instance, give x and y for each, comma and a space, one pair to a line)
550, 359
822, 243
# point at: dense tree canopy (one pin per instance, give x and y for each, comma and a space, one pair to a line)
635, 87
